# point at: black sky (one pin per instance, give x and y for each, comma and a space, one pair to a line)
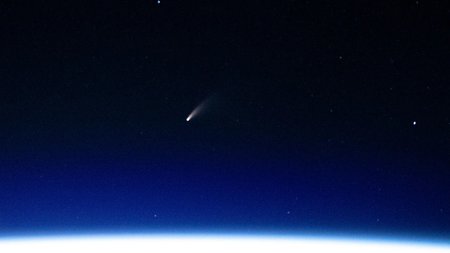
326, 115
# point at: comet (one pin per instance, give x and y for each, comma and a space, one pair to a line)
199, 109
194, 113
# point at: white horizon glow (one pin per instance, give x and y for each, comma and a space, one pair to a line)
208, 244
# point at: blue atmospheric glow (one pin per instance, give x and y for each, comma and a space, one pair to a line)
210, 243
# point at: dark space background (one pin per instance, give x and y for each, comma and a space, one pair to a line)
330, 116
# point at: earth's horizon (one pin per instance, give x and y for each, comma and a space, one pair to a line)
134, 243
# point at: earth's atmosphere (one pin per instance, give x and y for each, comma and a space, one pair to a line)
212, 243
